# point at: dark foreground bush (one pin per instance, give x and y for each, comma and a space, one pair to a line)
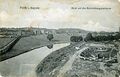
76, 38
50, 46
50, 37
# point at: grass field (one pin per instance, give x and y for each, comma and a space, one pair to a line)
5, 41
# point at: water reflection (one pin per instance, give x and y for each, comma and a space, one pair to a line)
50, 46
24, 65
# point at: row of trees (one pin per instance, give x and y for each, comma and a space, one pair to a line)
107, 38
89, 37
76, 38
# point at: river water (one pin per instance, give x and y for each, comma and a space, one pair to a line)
24, 65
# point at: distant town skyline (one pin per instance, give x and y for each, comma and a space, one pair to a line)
53, 14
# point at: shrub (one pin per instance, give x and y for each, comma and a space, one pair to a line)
89, 37
50, 37
76, 38
50, 46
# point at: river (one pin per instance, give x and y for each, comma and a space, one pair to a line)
24, 65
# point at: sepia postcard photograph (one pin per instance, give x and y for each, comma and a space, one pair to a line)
59, 38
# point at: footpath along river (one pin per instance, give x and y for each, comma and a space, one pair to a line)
24, 65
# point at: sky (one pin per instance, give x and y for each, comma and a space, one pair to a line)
54, 14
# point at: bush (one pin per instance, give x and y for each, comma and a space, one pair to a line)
107, 38
89, 37
50, 37
76, 38
50, 46
117, 37
104, 38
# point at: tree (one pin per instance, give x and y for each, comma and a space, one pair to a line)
50, 37
117, 37
89, 37
76, 38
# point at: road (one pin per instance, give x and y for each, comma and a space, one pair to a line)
68, 65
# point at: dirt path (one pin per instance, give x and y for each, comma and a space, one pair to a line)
68, 65
52, 64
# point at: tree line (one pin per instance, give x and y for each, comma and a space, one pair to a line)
89, 37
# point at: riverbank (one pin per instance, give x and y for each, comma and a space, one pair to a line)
51, 65
67, 62
24, 65
26, 44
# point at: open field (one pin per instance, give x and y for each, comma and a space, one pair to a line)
5, 41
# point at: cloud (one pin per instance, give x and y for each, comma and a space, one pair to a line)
35, 18
66, 1
57, 14
8, 20
4, 16
98, 2
1, 75
95, 26
53, 12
